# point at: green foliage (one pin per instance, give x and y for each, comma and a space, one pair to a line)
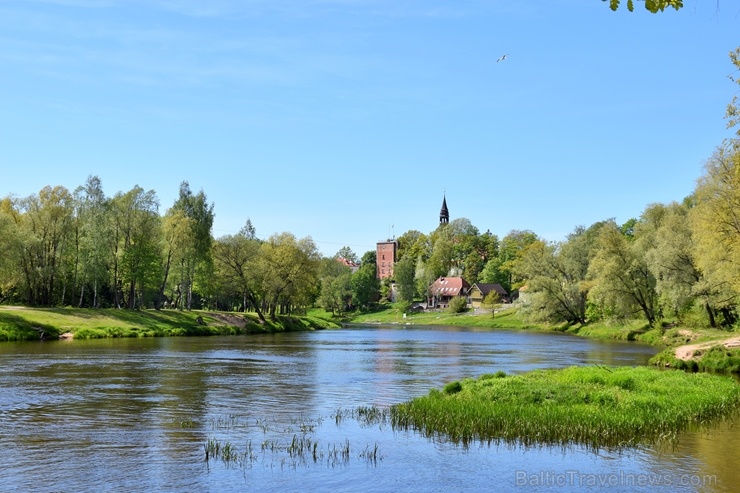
716, 231
622, 281
458, 304
498, 374
594, 406
289, 272
653, 6
452, 388
716, 359
346, 253
336, 292
491, 302
402, 306
365, 287
733, 113
403, 272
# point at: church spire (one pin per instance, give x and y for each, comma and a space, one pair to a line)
444, 214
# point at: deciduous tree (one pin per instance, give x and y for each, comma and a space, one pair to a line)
403, 272
137, 233
365, 286
237, 266
290, 272
622, 283
716, 228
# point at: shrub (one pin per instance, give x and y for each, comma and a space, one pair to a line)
458, 304
403, 306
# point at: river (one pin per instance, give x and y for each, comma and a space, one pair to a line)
137, 415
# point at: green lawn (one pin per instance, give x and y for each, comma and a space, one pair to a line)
24, 323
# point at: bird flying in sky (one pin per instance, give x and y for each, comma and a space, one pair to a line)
503, 57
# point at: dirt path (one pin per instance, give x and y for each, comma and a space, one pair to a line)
687, 352
229, 319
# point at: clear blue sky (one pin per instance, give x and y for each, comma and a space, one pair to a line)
338, 119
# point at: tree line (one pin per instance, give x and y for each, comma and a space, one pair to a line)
678, 261
83, 248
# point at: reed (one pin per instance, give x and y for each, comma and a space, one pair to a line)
598, 407
229, 453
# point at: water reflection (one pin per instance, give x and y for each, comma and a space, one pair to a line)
135, 415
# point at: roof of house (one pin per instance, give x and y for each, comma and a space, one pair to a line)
487, 288
449, 286
346, 262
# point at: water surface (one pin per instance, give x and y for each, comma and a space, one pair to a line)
135, 415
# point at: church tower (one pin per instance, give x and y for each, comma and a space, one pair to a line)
444, 214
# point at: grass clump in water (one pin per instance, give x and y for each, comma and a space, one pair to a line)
594, 406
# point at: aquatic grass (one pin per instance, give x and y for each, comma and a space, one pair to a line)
294, 446
593, 406
371, 454
228, 453
227, 422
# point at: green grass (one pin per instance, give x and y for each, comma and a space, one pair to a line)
717, 359
390, 314
593, 406
23, 323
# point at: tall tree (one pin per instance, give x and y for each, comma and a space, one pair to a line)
500, 269
94, 232
290, 272
11, 248
336, 292
556, 276
414, 244
369, 257
715, 225
365, 286
177, 229
403, 272
46, 218
237, 264
623, 284
200, 212
442, 260
672, 262
733, 113
346, 253
137, 231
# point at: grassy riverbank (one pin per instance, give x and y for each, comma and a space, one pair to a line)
23, 323
593, 406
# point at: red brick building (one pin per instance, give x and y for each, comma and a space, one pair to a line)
386, 251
